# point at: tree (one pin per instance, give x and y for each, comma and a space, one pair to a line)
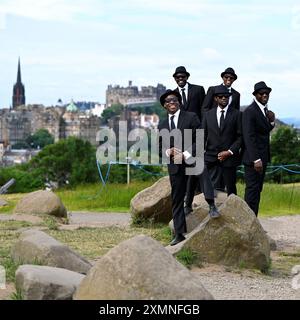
70, 160
112, 111
285, 149
285, 146
40, 139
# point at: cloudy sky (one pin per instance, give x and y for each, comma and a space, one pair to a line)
72, 49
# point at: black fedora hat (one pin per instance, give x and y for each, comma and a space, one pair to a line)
230, 71
221, 90
259, 86
181, 69
167, 93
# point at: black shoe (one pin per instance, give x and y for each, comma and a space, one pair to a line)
213, 211
178, 238
187, 210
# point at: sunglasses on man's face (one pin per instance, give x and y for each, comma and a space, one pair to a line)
261, 93
174, 100
220, 96
229, 77
181, 77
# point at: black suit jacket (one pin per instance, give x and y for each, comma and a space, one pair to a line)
210, 103
186, 120
196, 96
256, 135
230, 137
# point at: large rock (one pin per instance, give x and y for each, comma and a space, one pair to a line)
236, 238
37, 247
46, 283
153, 202
200, 210
140, 269
41, 202
193, 219
200, 202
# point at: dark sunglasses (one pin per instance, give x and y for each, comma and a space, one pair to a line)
181, 77
261, 93
171, 100
229, 77
223, 96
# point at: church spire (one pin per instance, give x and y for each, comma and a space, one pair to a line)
19, 90
19, 73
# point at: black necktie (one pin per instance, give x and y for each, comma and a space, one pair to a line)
183, 97
222, 120
172, 137
172, 123
266, 111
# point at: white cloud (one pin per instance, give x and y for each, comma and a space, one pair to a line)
211, 54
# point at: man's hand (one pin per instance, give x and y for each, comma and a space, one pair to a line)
178, 158
173, 151
223, 155
258, 166
270, 115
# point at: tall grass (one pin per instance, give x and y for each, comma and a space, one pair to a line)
95, 197
276, 199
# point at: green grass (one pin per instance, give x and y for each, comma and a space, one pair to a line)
187, 257
277, 199
9, 232
94, 197
95, 242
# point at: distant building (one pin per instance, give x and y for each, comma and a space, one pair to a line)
18, 98
132, 95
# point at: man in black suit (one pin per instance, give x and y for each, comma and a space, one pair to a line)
257, 123
181, 120
192, 99
223, 138
228, 76
192, 95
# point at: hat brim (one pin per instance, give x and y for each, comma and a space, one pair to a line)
223, 74
167, 93
174, 74
266, 88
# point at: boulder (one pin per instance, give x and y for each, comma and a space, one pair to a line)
200, 210
46, 283
193, 219
153, 202
41, 202
235, 239
140, 269
199, 200
37, 247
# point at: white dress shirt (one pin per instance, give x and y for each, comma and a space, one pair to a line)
175, 120
219, 113
186, 89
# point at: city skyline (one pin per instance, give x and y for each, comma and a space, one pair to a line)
75, 49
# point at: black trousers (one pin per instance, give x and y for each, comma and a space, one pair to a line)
254, 185
227, 174
203, 183
217, 179
178, 189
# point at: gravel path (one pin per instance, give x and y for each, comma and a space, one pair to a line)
248, 285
